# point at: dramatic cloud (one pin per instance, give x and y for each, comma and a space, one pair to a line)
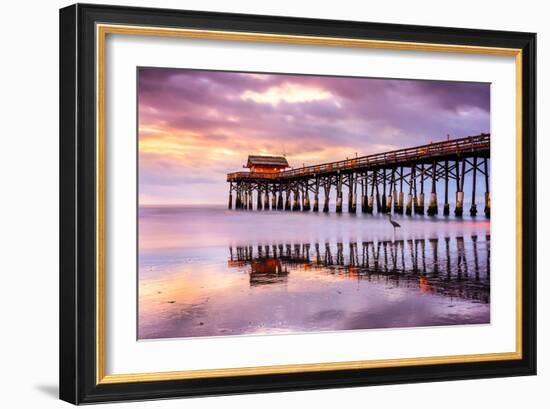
195, 126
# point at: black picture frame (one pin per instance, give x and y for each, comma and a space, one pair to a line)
78, 360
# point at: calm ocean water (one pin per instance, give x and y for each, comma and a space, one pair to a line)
209, 271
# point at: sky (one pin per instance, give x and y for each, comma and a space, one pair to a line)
195, 126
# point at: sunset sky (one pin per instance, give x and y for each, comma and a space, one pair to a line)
196, 126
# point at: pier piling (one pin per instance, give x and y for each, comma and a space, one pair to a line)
432, 206
266, 199
473, 207
339, 194
446, 204
420, 207
459, 188
487, 196
316, 196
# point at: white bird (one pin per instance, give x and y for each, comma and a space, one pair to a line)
393, 222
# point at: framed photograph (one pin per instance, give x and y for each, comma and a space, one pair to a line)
257, 203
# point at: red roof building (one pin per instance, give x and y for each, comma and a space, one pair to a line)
266, 164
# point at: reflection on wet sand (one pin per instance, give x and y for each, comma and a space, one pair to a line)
211, 272
410, 263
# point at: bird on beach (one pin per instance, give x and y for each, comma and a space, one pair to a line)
393, 222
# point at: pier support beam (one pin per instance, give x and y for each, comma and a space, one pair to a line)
250, 200
370, 204
419, 206
382, 208
446, 204
266, 199
370, 200
238, 197
339, 194
339, 202
274, 200
259, 199
352, 205
287, 201
460, 183
326, 188
432, 206
363, 195
393, 192
296, 201
473, 207
316, 196
280, 199
378, 203
230, 203
408, 210
305, 198
400, 203
459, 203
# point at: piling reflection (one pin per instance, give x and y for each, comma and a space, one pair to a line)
456, 267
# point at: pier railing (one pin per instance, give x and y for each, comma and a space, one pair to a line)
469, 145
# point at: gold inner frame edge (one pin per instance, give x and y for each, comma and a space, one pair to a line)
101, 33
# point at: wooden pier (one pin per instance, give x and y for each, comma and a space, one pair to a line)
376, 183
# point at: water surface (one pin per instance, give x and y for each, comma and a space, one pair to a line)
208, 271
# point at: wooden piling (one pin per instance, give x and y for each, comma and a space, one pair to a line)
446, 204
400, 204
230, 204
473, 207
408, 210
296, 201
326, 188
352, 207
274, 199
370, 201
393, 192
339, 193
432, 206
382, 209
288, 207
415, 193
316, 196
378, 204
306, 207
460, 183
259, 199
363, 194
419, 206
266, 198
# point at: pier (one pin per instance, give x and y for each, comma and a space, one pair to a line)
397, 181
